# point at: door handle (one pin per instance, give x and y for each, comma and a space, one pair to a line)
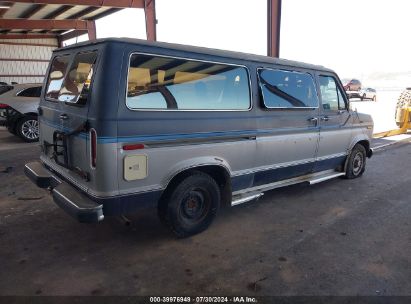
325, 118
63, 116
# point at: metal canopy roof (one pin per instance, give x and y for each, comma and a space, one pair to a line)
62, 19
65, 19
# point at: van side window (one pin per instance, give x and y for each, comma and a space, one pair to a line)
332, 98
286, 89
75, 85
165, 83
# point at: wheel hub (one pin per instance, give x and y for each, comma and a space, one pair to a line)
193, 205
357, 163
30, 129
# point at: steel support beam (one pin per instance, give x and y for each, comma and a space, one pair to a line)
273, 27
99, 3
2, 11
47, 24
91, 30
26, 36
151, 21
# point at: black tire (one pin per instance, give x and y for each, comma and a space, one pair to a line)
363, 97
356, 162
191, 206
27, 128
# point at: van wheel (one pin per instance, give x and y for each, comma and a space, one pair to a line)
356, 162
191, 206
28, 128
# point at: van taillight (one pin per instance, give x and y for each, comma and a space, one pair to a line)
93, 147
3, 106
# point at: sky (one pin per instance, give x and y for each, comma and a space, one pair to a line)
366, 39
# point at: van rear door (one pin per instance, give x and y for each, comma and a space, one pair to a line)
64, 120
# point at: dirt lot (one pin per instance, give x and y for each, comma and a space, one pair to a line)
341, 237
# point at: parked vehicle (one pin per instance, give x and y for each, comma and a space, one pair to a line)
368, 93
128, 124
352, 84
353, 94
18, 110
5, 87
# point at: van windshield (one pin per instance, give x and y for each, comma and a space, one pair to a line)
70, 81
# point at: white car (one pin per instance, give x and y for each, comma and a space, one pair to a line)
18, 110
368, 93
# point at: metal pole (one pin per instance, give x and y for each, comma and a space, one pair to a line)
273, 27
150, 12
91, 30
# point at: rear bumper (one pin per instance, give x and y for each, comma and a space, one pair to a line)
64, 195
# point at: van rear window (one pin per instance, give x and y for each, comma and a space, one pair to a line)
70, 81
165, 83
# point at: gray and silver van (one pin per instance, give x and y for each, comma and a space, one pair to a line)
128, 124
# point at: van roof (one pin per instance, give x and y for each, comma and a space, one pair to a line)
200, 50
